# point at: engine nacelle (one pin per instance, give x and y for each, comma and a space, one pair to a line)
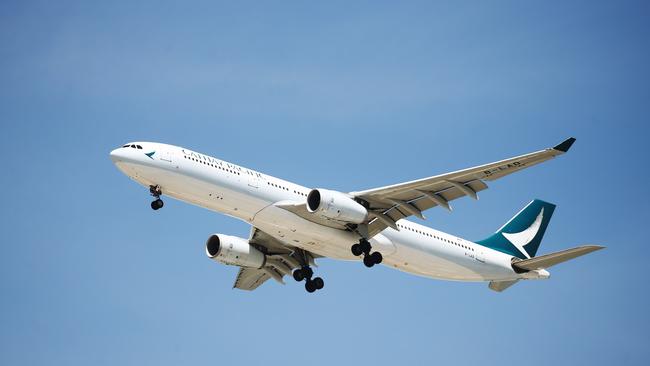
234, 251
335, 205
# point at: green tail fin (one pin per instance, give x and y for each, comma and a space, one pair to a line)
522, 235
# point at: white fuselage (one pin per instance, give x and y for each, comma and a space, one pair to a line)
250, 196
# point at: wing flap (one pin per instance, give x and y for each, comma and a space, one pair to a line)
250, 278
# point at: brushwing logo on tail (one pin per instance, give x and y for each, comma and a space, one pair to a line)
523, 238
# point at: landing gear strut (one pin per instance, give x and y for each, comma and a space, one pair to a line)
364, 247
306, 273
156, 192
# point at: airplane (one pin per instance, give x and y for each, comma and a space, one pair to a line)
292, 225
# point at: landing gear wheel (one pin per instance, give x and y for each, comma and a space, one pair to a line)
298, 275
318, 282
157, 204
307, 272
310, 286
362, 247
368, 261
155, 191
365, 246
376, 257
356, 250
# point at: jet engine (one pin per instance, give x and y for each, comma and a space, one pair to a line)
335, 205
234, 251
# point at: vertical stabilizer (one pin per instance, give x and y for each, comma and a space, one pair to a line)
522, 235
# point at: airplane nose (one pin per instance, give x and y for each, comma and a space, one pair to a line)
116, 155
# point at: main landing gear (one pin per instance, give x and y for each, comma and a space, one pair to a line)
156, 192
306, 273
364, 247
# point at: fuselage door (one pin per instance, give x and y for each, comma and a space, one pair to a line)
479, 254
253, 179
166, 156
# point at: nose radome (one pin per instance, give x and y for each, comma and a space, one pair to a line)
116, 154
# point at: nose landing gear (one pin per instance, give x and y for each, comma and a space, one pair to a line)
156, 192
364, 247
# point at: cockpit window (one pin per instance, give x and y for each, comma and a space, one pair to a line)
133, 146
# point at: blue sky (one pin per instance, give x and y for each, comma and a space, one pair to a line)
339, 95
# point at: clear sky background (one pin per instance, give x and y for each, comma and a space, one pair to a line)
343, 95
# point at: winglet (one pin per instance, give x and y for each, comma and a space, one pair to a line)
565, 145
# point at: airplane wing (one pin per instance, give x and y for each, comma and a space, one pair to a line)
391, 203
281, 260
250, 278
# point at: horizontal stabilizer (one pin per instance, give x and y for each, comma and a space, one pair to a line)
499, 286
548, 260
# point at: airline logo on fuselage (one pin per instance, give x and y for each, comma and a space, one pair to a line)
211, 160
